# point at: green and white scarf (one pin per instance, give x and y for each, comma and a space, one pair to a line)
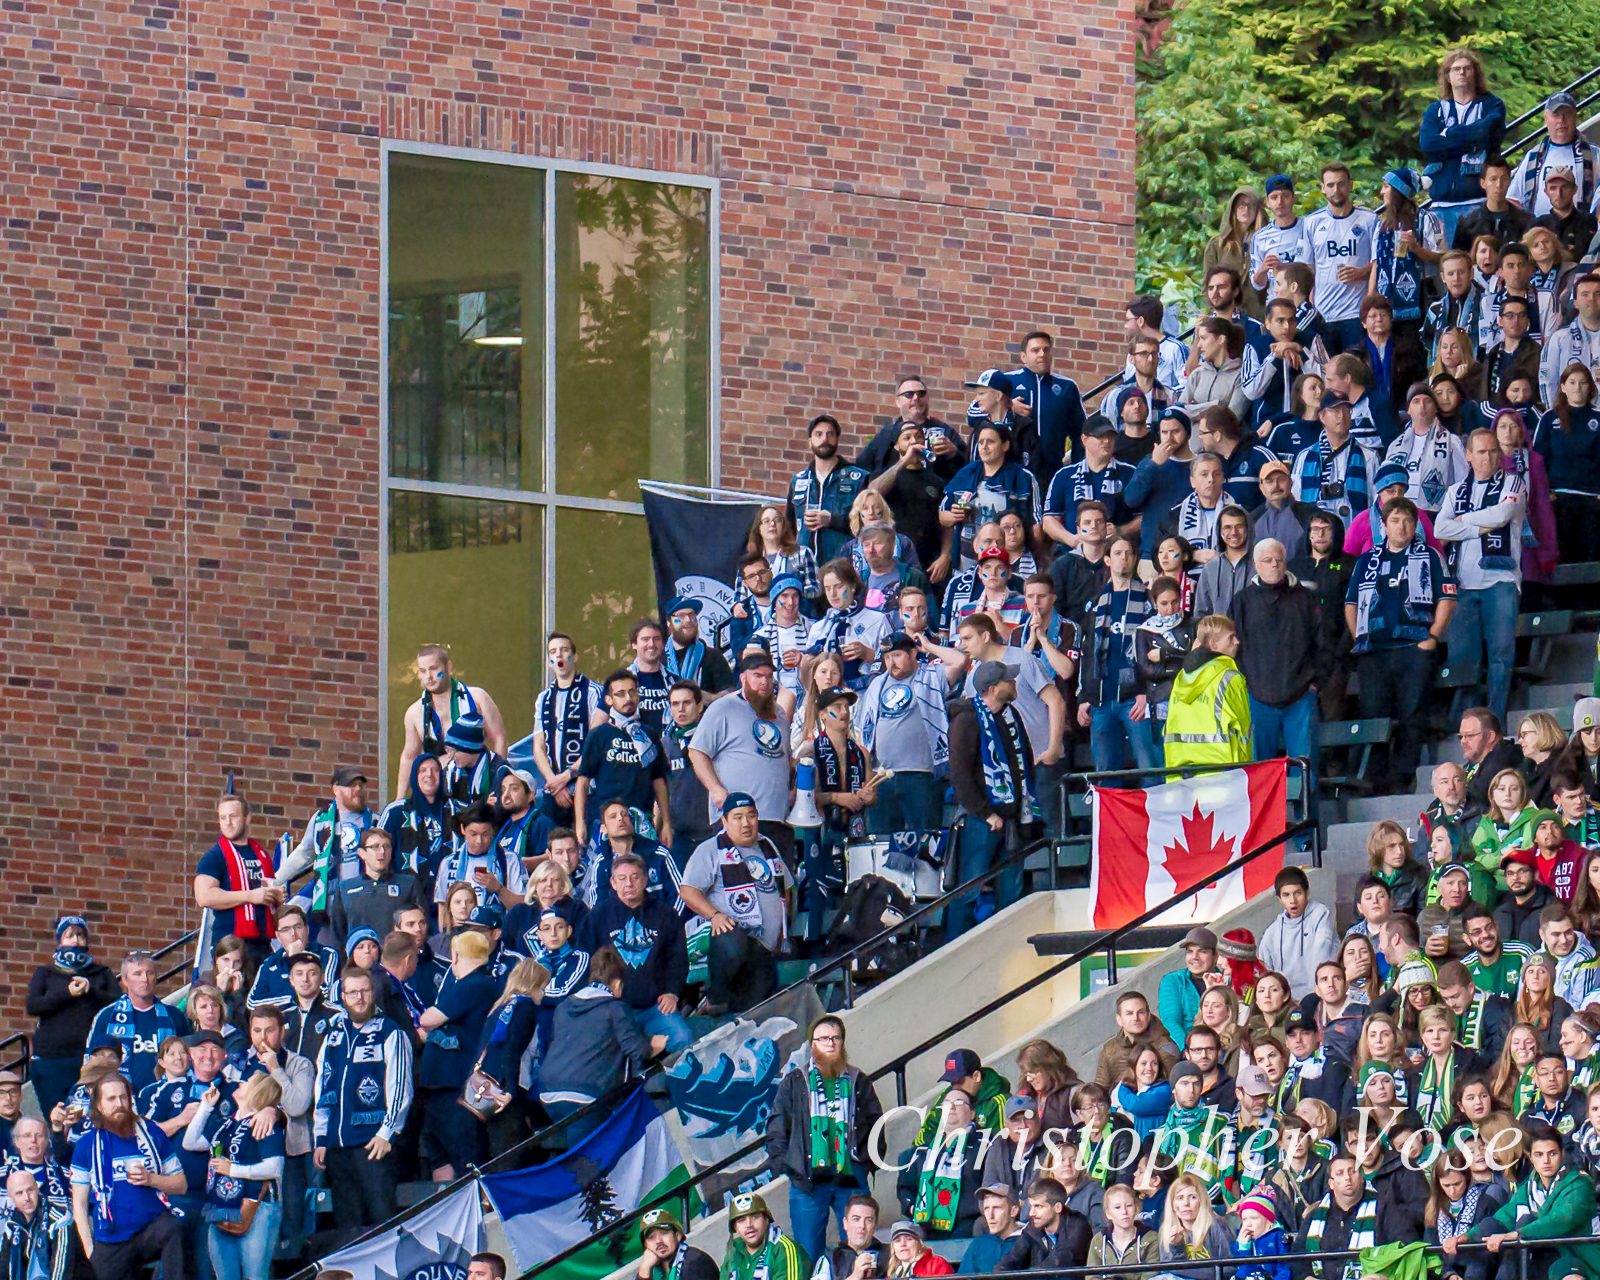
832, 1112
1434, 1101
1363, 1232
1527, 1091
939, 1182
1469, 1026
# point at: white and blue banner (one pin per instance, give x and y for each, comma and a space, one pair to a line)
437, 1244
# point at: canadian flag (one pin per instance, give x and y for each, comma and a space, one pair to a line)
1151, 844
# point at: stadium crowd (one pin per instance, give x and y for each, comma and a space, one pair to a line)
1384, 440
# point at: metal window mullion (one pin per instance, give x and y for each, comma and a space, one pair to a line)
549, 227
383, 466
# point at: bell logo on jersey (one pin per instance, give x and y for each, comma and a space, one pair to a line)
1348, 249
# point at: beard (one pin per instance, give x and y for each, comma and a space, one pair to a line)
825, 450
830, 1066
764, 705
120, 1122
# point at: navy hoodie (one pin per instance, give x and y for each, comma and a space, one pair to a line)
651, 940
421, 829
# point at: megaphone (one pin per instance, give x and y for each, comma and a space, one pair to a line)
804, 812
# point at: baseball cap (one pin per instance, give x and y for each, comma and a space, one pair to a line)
1585, 714
738, 800
995, 381
1299, 1020
905, 1227
1099, 425
1277, 464
347, 775
1278, 182
486, 915
1253, 1080
1019, 1106
1560, 171
305, 957
204, 1037
525, 777
1520, 858
829, 696
990, 674
754, 660
1451, 867
1333, 399
1201, 937
898, 640
1560, 98
996, 552
1002, 1189
961, 1063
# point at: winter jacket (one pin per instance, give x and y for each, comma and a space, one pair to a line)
1281, 650
1394, 1225
1000, 1165
1208, 716
789, 1126
1146, 1108
1172, 645
363, 902
1274, 1244
1034, 1250
594, 1046
968, 1212
65, 1020
1296, 947
1519, 921
1209, 385
1117, 1053
1455, 151
1145, 1248
1178, 999
651, 941
1567, 1211
1217, 1244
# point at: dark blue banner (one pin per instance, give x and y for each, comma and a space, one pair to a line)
697, 537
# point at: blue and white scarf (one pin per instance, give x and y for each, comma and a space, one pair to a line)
688, 666
1494, 545
998, 778
574, 721
1416, 593
643, 743
1399, 279
102, 1171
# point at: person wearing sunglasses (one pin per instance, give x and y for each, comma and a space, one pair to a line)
913, 406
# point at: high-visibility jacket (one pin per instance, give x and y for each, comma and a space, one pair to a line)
1208, 715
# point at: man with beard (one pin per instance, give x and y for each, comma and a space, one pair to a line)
563, 714
328, 848
688, 800
687, 656
817, 1133
755, 1250
821, 495
444, 701
621, 760
35, 1233
662, 1237
122, 1173
363, 1094
33, 1156
742, 744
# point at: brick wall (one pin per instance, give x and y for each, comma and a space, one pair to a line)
188, 414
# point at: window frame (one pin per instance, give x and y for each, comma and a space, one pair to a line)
546, 498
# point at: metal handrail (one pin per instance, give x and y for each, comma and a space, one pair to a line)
1539, 110
19, 1065
683, 1193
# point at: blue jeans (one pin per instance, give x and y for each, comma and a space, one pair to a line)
1485, 622
1283, 731
247, 1257
1113, 730
197, 1257
672, 1025
907, 802
808, 1213
976, 850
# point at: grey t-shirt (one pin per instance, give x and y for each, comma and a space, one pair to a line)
750, 754
1029, 704
897, 717
741, 883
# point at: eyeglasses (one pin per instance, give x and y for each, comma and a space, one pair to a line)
826, 1039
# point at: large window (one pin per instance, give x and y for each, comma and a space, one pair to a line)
549, 342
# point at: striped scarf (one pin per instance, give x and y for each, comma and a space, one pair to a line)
1435, 1091
102, 1172
939, 1182
1197, 525
1131, 619
1299, 1070
1494, 545
1456, 1218
1469, 1026
998, 778
1363, 1232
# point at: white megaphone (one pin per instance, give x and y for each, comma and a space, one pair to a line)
805, 812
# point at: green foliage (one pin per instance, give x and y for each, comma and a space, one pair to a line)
1242, 89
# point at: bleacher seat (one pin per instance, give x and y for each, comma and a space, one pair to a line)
1543, 628
1364, 734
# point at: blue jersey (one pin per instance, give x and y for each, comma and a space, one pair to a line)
363, 1083
271, 987
132, 1208
1080, 483
166, 1099
139, 1032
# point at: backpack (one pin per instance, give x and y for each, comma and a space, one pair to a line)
871, 905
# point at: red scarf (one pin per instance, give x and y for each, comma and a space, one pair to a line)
248, 869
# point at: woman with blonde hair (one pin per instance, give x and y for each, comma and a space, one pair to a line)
1190, 1231
1541, 738
450, 1133
1389, 859
509, 1052
549, 885
819, 672
1219, 1012
1513, 1082
242, 1180
1455, 348
870, 507
1507, 824
1433, 1086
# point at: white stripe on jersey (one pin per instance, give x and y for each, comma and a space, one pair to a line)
1329, 243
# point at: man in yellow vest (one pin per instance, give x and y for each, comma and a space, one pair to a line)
1208, 716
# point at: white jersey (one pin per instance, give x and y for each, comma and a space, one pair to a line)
1273, 239
1330, 243
1527, 184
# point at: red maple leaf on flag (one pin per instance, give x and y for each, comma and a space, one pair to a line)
1200, 853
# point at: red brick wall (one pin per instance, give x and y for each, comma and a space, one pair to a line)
188, 414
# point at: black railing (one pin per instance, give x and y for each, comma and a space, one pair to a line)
19, 1065
684, 1194
1512, 148
177, 944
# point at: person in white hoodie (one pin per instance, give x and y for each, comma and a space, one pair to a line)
1301, 938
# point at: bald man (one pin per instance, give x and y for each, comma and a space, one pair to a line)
38, 1238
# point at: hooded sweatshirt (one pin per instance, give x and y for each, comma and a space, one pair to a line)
649, 938
594, 1046
1208, 715
1235, 253
420, 828
1221, 579
1209, 385
1296, 947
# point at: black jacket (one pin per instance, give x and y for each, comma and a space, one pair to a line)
1079, 582
966, 762
1394, 1225
1404, 1190
1173, 647
1511, 222
1506, 755
880, 453
1499, 1016
1033, 1249
1281, 649
789, 1128
65, 1020
651, 934
364, 902
1519, 922
968, 1210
